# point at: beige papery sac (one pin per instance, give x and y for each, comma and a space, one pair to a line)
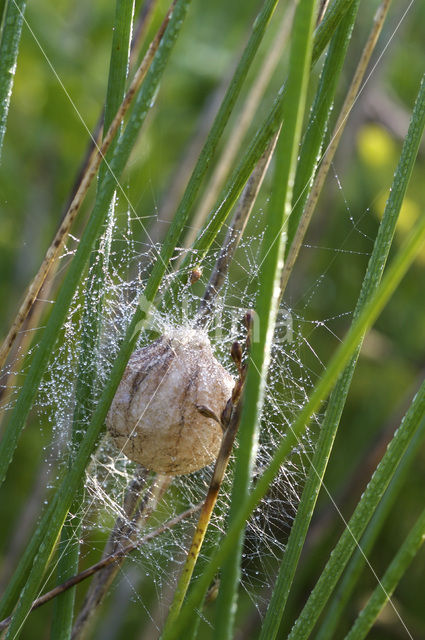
154, 417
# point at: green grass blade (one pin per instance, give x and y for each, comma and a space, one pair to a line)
16, 583
69, 547
268, 299
370, 283
9, 48
229, 245
255, 150
326, 28
391, 578
356, 565
49, 527
338, 397
92, 231
319, 117
391, 280
214, 136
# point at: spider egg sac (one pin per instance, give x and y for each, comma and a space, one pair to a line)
154, 418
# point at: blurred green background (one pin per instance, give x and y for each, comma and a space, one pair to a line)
44, 145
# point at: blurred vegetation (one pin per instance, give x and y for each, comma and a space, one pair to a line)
45, 143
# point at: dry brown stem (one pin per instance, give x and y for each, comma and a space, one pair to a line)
95, 159
328, 155
123, 531
118, 555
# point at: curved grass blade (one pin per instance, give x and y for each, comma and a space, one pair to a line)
69, 547
354, 569
360, 518
391, 578
391, 280
370, 283
121, 155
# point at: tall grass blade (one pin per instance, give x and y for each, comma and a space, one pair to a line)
301, 217
13, 17
391, 578
370, 284
356, 565
93, 229
364, 321
319, 117
69, 547
267, 305
50, 526
338, 397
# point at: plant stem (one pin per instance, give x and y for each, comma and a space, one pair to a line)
204, 517
97, 156
92, 231
106, 561
123, 531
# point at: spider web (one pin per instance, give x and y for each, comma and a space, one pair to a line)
149, 574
